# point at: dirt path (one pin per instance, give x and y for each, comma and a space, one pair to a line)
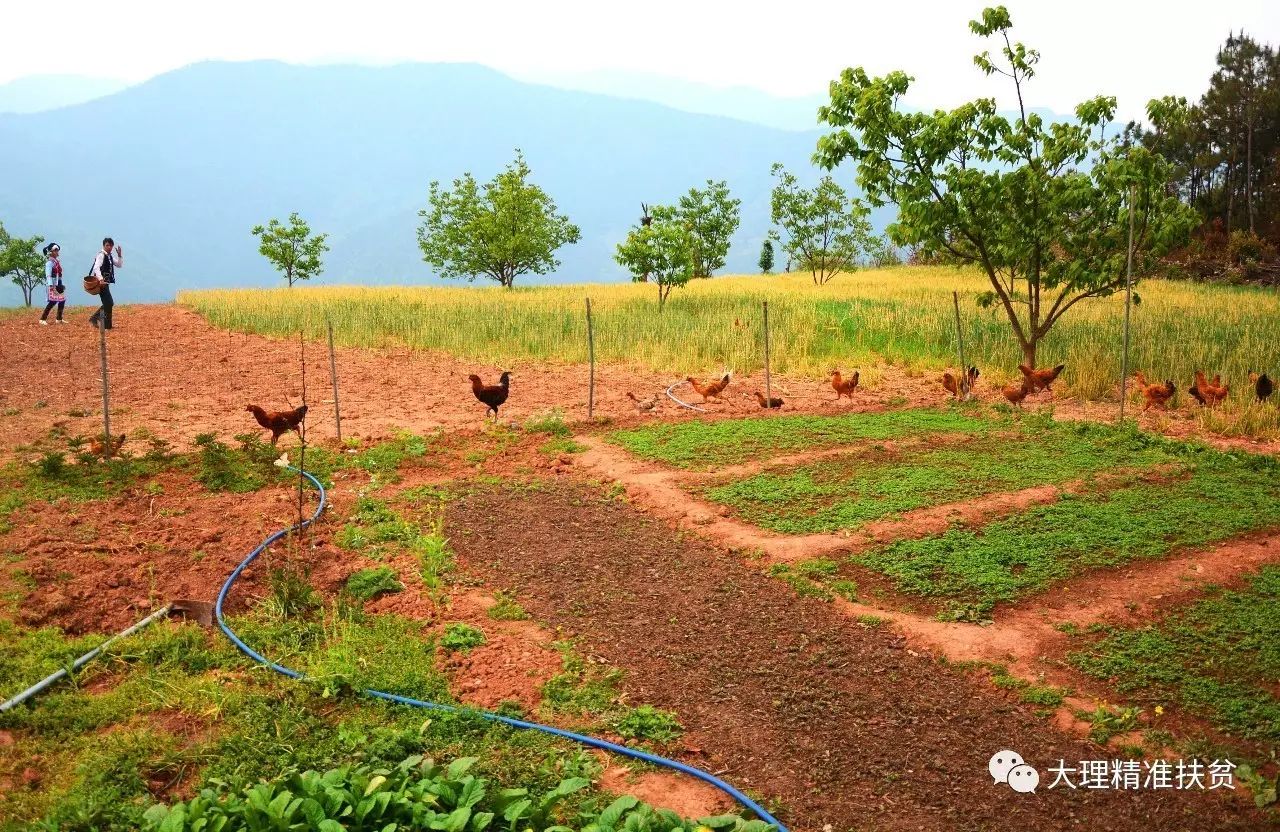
841, 723
176, 376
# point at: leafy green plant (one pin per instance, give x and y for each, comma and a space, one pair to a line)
506, 608
370, 583
648, 723
291, 590
460, 637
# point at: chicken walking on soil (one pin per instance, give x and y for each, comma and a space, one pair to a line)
106, 450
1208, 393
279, 422
1039, 380
643, 405
1016, 391
844, 386
772, 402
493, 396
1157, 395
960, 386
711, 390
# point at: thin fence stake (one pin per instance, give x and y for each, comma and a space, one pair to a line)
302, 438
106, 399
1128, 300
591, 359
768, 384
333, 375
964, 368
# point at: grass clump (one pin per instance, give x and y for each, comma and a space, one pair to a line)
648, 723
506, 608
1218, 659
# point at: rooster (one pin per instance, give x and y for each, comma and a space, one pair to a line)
954, 386
769, 403
1040, 379
711, 390
1015, 392
492, 396
643, 405
279, 422
1208, 393
1263, 386
106, 450
844, 386
1157, 395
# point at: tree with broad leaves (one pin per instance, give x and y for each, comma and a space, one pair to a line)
826, 232
1041, 208
291, 248
766, 257
660, 252
22, 262
501, 230
711, 217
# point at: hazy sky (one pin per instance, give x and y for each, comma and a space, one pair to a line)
1133, 50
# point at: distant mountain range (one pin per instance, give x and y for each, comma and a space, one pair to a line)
37, 93
179, 168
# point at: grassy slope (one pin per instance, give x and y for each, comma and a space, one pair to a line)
1219, 659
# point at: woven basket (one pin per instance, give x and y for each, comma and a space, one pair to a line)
92, 285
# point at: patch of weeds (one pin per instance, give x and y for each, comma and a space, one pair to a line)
370, 583
460, 637
551, 423
291, 590
580, 689
871, 620
707, 445
222, 468
1217, 658
1225, 495
1046, 696
506, 608
1106, 721
800, 583
560, 445
846, 589
648, 723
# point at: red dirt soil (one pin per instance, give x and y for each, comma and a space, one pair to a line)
175, 375
786, 695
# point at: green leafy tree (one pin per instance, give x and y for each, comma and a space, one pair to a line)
22, 262
825, 231
501, 230
1041, 208
766, 257
660, 252
711, 217
292, 248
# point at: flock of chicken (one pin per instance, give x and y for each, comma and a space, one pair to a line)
959, 385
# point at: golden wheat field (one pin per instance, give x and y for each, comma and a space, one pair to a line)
902, 316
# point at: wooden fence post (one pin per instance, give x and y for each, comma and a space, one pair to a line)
591, 359
768, 383
333, 375
106, 399
1128, 300
964, 368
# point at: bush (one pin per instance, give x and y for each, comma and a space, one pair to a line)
649, 723
460, 637
370, 583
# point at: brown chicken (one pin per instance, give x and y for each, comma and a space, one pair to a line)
102, 449
1040, 379
953, 385
1015, 392
711, 390
1208, 393
494, 396
643, 405
844, 386
1157, 395
771, 402
279, 422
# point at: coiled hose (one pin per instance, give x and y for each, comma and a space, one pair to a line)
435, 706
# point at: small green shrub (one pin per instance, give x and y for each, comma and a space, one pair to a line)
648, 723
370, 583
460, 637
506, 608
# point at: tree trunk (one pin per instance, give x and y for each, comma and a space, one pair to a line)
1029, 352
27, 291
1248, 174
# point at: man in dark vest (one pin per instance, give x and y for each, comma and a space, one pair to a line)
104, 268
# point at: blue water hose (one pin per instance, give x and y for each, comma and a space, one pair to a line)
435, 706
